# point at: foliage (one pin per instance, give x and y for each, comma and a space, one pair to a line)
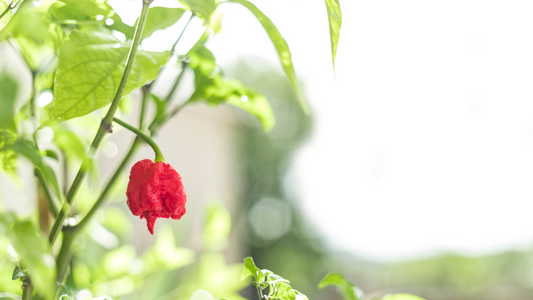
278, 287
81, 54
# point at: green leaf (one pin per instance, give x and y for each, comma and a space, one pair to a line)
8, 95
211, 87
250, 101
335, 22
17, 273
274, 278
281, 47
33, 251
251, 270
160, 18
62, 13
345, 288
300, 296
401, 297
90, 7
120, 26
51, 153
66, 289
217, 226
282, 291
202, 8
90, 69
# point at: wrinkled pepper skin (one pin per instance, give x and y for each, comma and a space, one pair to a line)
155, 191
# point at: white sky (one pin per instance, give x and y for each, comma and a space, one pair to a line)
424, 141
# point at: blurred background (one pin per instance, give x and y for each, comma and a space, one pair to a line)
411, 174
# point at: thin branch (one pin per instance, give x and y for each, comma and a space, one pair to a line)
172, 53
104, 128
158, 153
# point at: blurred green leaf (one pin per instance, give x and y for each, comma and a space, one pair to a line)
32, 24
126, 105
33, 252
64, 290
214, 275
116, 220
116, 262
202, 8
120, 26
89, 71
69, 142
335, 22
7, 16
250, 269
164, 255
217, 226
211, 87
61, 13
51, 153
8, 162
401, 297
300, 296
281, 47
31, 153
17, 273
8, 135
8, 86
345, 288
160, 18
281, 291
91, 7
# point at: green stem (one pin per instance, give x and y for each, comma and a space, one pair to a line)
66, 251
47, 195
158, 154
27, 291
104, 128
65, 254
33, 108
146, 95
172, 52
177, 82
8, 8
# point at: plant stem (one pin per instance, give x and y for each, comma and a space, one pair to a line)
65, 254
172, 52
47, 195
34, 111
27, 289
177, 82
146, 95
8, 8
104, 128
66, 251
158, 154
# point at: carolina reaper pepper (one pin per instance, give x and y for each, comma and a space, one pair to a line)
155, 191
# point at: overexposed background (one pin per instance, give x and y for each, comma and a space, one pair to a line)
423, 142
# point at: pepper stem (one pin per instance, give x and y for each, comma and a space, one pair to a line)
158, 154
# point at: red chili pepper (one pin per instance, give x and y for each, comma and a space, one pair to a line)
155, 191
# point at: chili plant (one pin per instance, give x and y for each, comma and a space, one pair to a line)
81, 54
